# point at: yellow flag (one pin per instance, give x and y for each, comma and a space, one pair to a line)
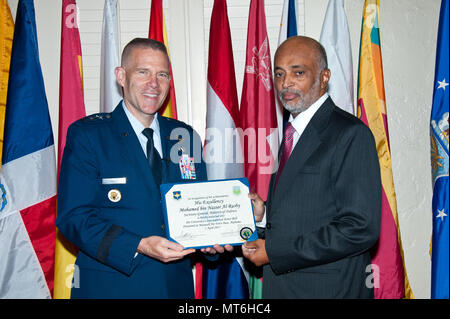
6, 37
157, 31
390, 272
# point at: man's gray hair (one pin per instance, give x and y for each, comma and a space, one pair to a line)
143, 43
322, 60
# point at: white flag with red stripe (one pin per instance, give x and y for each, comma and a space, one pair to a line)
223, 150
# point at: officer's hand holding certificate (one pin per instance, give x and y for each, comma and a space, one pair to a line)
201, 214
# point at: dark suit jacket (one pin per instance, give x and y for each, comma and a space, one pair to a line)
324, 215
104, 146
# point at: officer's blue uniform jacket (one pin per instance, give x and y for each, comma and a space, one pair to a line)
101, 149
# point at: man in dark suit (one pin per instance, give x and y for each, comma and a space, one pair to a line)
323, 209
109, 202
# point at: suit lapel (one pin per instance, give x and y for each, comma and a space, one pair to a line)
308, 143
131, 146
166, 145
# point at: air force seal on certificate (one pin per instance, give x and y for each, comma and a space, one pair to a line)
177, 195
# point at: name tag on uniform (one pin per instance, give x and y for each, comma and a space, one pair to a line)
187, 167
116, 180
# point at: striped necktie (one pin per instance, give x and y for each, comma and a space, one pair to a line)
287, 149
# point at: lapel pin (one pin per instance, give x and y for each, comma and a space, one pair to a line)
114, 195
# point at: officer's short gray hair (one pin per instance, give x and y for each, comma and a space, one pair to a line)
143, 43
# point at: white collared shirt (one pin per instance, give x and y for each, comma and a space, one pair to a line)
301, 121
138, 128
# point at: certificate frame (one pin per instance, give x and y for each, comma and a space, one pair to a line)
170, 187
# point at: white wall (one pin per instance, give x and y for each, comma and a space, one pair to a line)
408, 40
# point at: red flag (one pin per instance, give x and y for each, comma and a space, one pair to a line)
258, 109
71, 100
157, 31
258, 115
71, 108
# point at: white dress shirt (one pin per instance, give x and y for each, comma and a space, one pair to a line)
302, 120
138, 128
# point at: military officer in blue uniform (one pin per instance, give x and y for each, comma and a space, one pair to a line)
109, 202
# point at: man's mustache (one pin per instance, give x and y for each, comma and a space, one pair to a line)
283, 91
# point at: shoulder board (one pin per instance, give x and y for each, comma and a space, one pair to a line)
174, 122
95, 118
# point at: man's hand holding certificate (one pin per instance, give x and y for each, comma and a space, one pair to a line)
202, 214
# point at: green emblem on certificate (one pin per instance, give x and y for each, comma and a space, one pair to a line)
246, 233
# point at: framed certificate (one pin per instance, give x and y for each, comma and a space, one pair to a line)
201, 214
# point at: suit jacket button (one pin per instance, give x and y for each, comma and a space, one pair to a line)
163, 227
268, 225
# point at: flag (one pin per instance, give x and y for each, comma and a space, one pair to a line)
439, 162
258, 115
71, 108
389, 275
6, 36
157, 31
288, 28
335, 38
110, 90
223, 151
288, 25
28, 176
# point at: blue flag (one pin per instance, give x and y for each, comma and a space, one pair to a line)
439, 162
292, 20
27, 120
